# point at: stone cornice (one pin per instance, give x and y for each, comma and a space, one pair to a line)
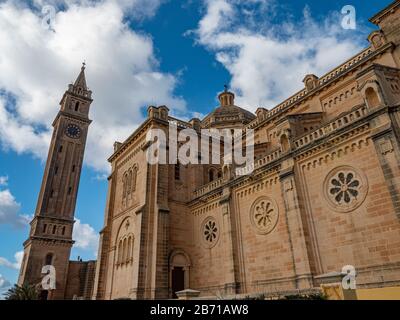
71, 116
286, 106
385, 12
324, 142
135, 135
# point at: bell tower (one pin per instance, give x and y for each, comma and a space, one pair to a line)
50, 238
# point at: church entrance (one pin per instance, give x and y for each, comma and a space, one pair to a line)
179, 271
178, 280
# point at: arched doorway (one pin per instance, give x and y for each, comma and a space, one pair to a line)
179, 266
178, 280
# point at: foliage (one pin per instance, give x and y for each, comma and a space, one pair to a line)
24, 292
310, 296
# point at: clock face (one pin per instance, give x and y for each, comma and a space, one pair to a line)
73, 131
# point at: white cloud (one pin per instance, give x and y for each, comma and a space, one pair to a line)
16, 265
266, 56
137, 8
85, 237
4, 283
37, 64
9, 210
3, 181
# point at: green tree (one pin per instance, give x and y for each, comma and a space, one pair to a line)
24, 292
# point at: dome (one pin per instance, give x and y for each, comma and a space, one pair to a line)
227, 115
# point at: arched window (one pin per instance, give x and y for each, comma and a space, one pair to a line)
77, 106
119, 259
129, 253
129, 183
124, 185
372, 98
124, 251
54, 229
219, 174
134, 178
49, 259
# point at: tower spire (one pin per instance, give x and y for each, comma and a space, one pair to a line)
81, 80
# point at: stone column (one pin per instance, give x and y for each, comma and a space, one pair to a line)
227, 234
302, 270
383, 134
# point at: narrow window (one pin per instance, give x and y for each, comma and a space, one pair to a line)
63, 231
69, 190
129, 249
56, 171
129, 183
177, 171
134, 178
124, 185
54, 229
77, 106
51, 193
73, 168
49, 259
211, 175
124, 253
60, 149
119, 260
44, 228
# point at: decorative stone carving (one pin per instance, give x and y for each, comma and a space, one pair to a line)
345, 188
310, 82
210, 232
386, 147
264, 215
377, 39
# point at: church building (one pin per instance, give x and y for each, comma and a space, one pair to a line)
323, 193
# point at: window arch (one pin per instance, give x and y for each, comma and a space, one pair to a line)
77, 106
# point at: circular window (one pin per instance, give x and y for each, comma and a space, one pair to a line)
264, 215
210, 232
345, 188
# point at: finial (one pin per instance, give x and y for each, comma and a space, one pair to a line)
84, 65
226, 88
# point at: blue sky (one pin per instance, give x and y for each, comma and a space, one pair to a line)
178, 53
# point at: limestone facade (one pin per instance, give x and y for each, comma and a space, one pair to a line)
324, 192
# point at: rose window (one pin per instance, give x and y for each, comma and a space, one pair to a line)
210, 232
264, 215
345, 188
